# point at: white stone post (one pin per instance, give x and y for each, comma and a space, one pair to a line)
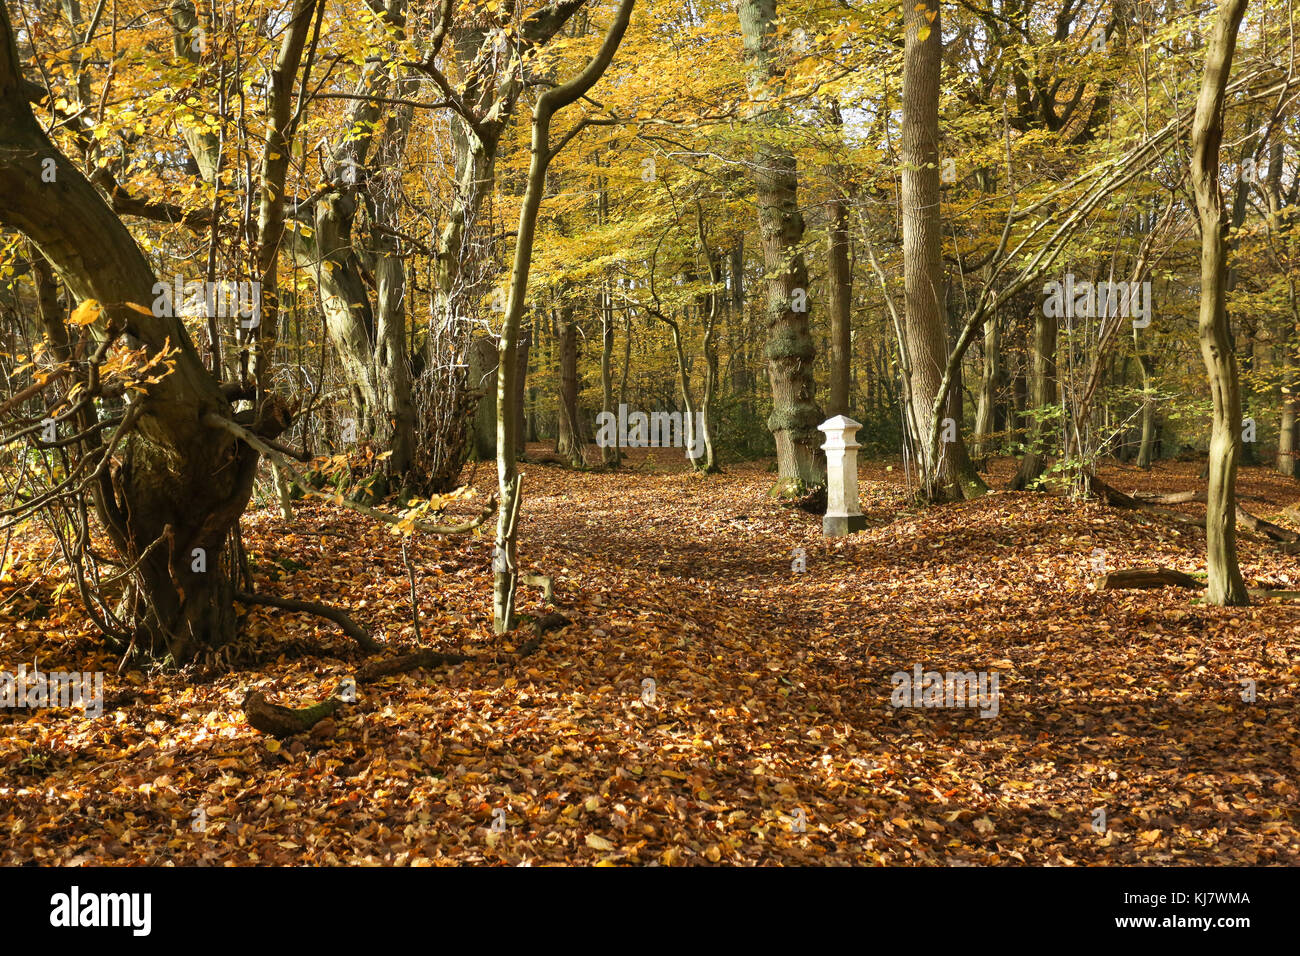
843, 516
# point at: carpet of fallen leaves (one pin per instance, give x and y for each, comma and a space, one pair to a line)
771, 713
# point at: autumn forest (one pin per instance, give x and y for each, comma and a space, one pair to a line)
649, 433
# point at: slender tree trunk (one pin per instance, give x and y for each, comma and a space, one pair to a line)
1225, 584
706, 402
1290, 398
990, 383
709, 307
521, 435
1282, 228
275, 167
1147, 449
505, 567
608, 453
1042, 396
951, 474
627, 358
742, 374
483, 383
790, 350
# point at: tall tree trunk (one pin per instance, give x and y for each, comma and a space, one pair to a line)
706, 401
1287, 418
708, 307
1225, 583
277, 149
521, 434
627, 357
790, 350
1147, 449
742, 374
483, 383
1147, 446
950, 474
1282, 228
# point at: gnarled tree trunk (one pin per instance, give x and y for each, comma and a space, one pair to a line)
173, 483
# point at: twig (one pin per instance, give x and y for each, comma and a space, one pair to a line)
415, 607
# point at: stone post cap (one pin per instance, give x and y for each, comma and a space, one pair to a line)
840, 431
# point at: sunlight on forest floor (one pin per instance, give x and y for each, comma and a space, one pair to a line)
771, 711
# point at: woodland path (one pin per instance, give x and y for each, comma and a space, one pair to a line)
772, 701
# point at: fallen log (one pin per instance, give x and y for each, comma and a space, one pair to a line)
281, 721
1112, 496
1266, 528
1117, 499
1182, 497
1288, 541
1177, 498
374, 670
1141, 578
1264, 594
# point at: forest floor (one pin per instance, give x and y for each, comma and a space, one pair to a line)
770, 737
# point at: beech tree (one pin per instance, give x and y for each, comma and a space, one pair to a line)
169, 483
950, 473
1226, 585
790, 351
549, 103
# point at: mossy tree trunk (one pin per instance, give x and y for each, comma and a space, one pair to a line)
790, 350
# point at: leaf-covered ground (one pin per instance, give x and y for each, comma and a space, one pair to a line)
771, 712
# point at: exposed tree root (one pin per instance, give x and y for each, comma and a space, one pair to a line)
402, 663
1177, 498
542, 581
282, 721
1267, 528
374, 670
339, 617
